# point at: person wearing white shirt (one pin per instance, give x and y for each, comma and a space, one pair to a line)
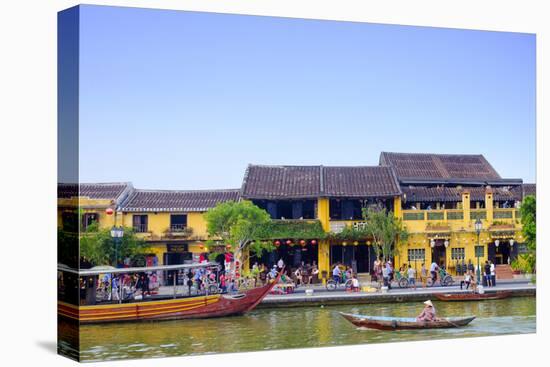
336, 273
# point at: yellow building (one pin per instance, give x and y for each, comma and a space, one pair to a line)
172, 221
439, 199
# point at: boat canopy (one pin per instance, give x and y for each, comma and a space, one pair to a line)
105, 270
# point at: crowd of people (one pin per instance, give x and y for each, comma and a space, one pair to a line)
204, 279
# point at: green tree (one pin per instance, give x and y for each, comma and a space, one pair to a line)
98, 247
528, 213
386, 231
242, 225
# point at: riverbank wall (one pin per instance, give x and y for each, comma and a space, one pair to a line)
325, 298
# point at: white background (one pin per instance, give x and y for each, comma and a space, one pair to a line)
28, 172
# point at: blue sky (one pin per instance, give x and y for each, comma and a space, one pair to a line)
184, 100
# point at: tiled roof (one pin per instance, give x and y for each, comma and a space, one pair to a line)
450, 194
283, 182
177, 200
439, 167
291, 182
525, 189
109, 191
360, 181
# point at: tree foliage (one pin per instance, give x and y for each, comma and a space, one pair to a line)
98, 247
528, 213
239, 224
386, 231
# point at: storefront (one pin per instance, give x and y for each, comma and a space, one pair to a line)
293, 254
357, 254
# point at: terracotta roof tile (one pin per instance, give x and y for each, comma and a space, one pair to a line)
360, 182
292, 182
177, 200
111, 191
449, 167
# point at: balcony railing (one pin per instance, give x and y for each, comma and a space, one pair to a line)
414, 215
337, 226
436, 215
178, 227
455, 214
503, 213
476, 214
140, 228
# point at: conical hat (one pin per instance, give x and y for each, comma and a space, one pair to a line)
429, 303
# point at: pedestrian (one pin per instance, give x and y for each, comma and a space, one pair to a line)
423, 275
336, 273
487, 269
354, 284
467, 280
386, 276
280, 264
223, 284
434, 268
411, 274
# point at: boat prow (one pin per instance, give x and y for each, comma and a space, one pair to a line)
404, 323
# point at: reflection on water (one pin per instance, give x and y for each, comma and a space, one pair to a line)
295, 328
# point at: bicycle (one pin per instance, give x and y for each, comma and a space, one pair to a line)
333, 284
401, 280
445, 279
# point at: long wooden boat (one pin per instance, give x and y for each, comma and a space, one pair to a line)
203, 306
471, 296
402, 323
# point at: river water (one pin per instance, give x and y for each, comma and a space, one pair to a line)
267, 329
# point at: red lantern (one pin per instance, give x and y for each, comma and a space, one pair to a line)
109, 211
302, 242
313, 242
201, 246
277, 243
289, 242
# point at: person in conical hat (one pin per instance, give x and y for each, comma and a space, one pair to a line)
428, 313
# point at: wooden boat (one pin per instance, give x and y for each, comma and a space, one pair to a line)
471, 296
202, 306
402, 323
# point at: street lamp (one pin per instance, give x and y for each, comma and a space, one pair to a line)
478, 227
116, 234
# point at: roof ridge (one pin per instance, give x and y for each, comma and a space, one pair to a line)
187, 191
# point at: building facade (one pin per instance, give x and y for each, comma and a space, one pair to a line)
438, 197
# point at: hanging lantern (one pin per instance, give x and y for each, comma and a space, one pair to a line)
277, 243
201, 246
497, 242
289, 242
511, 243
206, 249
344, 243
446, 243
109, 211
313, 242
432, 243
355, 243
302, 243
368, 243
